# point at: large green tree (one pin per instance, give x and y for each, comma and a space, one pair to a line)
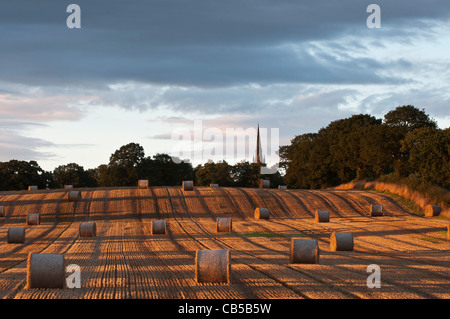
123, 165
162, 170
18, 175
398, 123
73, 174
216, 173
429, 155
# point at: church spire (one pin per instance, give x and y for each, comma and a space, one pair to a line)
259, 158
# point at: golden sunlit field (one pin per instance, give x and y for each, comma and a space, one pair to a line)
125, 260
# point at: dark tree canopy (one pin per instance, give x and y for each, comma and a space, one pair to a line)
73, 174
18, 175
407, 118
363, 147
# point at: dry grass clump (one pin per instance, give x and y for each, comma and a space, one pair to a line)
212, 266
401, 190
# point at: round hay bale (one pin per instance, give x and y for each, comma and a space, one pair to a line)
223, 225
87, 229
74, 196
341, 242
282, 187
264, 183
143, 184
33, 219
431, 210
188, 185
45, 271
322, 216
2, 211
16, 235
32, 188
158, 227
212, 266
304, 251
376, 210
262, 213
68, 186
213, 185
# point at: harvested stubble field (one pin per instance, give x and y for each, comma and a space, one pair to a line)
125, 261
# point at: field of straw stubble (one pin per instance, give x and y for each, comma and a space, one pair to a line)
124, 259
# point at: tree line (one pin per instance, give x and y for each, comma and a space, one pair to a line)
406, 145
126, 166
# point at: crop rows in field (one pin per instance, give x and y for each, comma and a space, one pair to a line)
125, 261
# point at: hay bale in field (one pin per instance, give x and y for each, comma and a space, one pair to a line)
264, 183
212, 266
304, 251
143, 184
33, 219
68, 186
2, 211
45, 271
341, 242
262, 213
16, 235
74, 196
282, 187
158, 227
87, 229
432, 210
32, 188
376, 210
213, 185
223, 225
322, 216
188, 185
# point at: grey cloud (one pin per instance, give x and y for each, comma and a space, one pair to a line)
214, 43
435, 103
16, 146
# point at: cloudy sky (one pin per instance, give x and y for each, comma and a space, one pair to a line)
139, 71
